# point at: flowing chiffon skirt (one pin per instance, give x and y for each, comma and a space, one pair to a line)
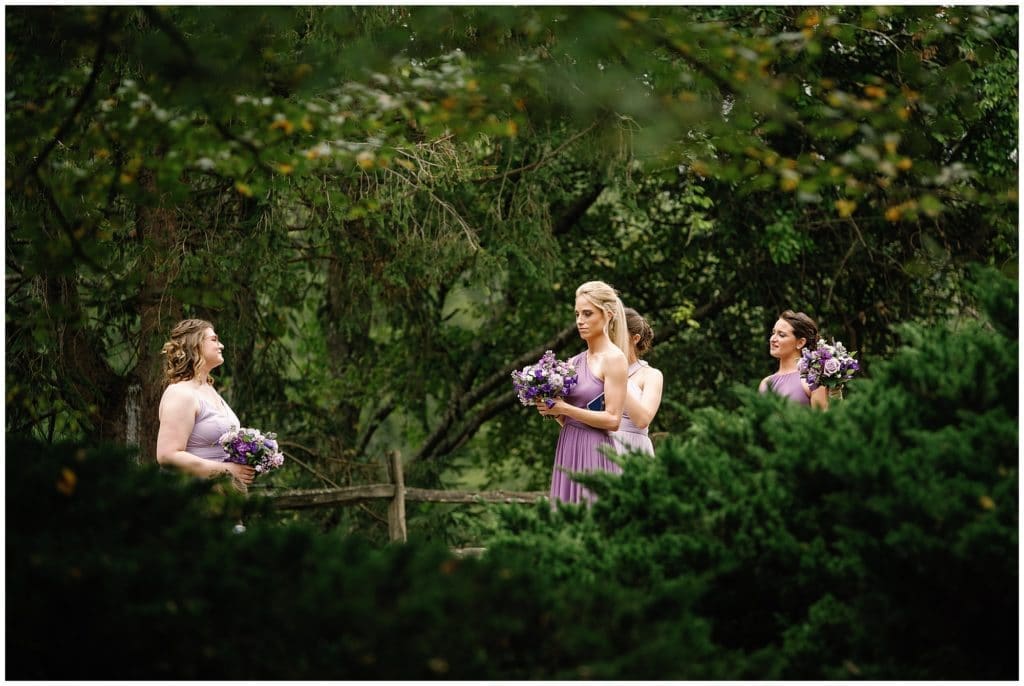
632, 441
577, 451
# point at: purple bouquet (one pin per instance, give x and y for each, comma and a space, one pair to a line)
251, 447
549, 378
827, 365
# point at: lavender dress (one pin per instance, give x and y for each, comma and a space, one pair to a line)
211, 423
578, 443
630, 437
790, 386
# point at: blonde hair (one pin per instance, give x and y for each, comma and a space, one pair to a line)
607, 298
182, 356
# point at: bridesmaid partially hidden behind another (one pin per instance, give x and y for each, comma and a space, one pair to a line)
643, 389
601, 369
792, 332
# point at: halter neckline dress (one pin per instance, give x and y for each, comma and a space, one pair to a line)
578, 443
630, 437
211, 423
790, 386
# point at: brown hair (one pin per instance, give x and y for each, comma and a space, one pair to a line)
182, 357
638, 326
803, 326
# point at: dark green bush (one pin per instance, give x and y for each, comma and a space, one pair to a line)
877, 540
120, 572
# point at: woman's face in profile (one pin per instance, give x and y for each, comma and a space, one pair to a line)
211, 349
590, 319
782, 344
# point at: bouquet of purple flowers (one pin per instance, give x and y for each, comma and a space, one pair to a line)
549, 378
827, 365
251, 447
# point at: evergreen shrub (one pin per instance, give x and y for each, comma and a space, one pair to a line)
877, 540
123, 572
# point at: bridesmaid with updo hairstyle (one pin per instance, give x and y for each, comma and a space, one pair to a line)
193, 416
791, 333
643, 389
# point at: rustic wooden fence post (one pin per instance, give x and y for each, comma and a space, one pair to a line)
396, 509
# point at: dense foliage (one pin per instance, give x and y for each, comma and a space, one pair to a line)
384, 209
877, 540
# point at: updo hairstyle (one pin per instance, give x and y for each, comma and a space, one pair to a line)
638, 326
803, 327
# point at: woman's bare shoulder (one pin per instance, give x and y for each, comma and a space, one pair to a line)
648, 374
180, 393
179, 388
613, 353
652, 372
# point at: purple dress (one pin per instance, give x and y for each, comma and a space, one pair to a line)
578, 442
630, 437
789, 385
210, 425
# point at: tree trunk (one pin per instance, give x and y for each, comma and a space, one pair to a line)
158, 228
347, 325
92, 385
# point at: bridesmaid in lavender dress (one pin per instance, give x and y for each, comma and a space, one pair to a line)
643, 390
601, 369
192, 414
792, 332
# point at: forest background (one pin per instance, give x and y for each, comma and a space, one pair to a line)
384, 210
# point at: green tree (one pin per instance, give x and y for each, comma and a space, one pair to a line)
876, 540
385, 210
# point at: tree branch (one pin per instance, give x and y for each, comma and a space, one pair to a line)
83, 98
514, 173
724, 299
432, 447
982, 125
661, 40
76, 245
312, 471
436, 444
577, 210
172, 32
374, 423
470, 427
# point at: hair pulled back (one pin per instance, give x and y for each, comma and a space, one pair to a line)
638, 326
803, 326
607, 298
182, 354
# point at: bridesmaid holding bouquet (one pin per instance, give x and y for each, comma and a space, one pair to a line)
193, 416
791, 333
594, 407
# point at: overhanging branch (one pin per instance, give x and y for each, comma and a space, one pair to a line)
436, 444
83, 98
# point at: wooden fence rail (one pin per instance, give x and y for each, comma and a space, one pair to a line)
397, 493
